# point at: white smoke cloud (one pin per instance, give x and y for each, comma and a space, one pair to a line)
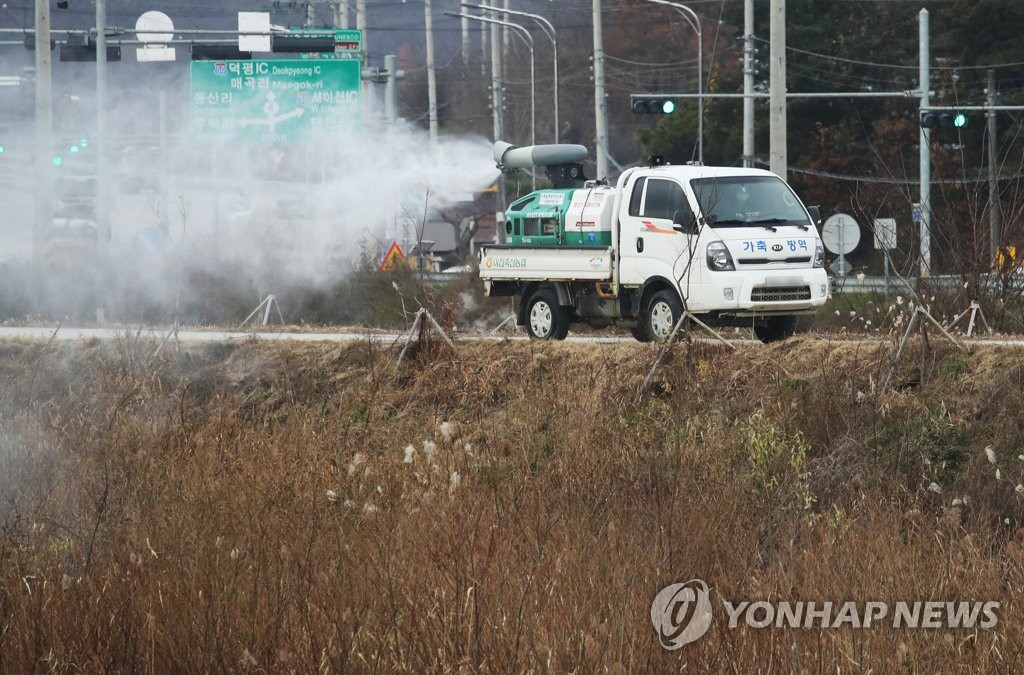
293, 214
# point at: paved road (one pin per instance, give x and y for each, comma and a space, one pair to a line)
214, 335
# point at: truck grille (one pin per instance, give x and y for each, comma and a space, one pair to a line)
768, 261
780, 293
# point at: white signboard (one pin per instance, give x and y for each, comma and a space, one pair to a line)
254, 22
155, 29
885, 233
840, 233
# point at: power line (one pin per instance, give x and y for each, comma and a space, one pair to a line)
870, 64
888, 181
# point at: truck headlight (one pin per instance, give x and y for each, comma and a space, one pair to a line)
819, 255
719, 259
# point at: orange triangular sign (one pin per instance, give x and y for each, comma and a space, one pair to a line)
392, 257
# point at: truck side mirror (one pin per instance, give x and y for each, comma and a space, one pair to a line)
685, 222
815, 215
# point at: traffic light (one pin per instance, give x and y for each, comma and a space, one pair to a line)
652, 104
83, 48
212, 52
292, 44
30, 42
944, 118
66, 150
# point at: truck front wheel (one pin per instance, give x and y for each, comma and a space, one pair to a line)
775, 328
662, 313
545, 318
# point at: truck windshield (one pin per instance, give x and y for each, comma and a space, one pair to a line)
745, 201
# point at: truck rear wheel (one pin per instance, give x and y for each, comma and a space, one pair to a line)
545, 318
775, 328
661, 315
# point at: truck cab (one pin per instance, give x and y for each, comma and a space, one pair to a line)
736, 244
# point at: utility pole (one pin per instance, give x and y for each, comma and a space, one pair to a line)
44, 131
464, 26
310, 15
162, 130
484, 34
925, 157
361, 25
994, 215
600, 104
778, 161
102, 137
341, 14
390, 88
431, 76
496, 84
506, 35
748, 83
497, 103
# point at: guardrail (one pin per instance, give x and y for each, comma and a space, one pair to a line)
990, 283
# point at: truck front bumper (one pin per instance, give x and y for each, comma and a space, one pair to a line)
766, 293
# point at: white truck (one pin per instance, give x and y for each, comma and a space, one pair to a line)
734, 246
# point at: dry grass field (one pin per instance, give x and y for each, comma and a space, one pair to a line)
512, 506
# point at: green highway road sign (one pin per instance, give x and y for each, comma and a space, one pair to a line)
348, 43
348, 40
274, 101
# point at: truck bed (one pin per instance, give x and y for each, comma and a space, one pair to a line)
546, 263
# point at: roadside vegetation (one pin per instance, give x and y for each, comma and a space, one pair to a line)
509, 506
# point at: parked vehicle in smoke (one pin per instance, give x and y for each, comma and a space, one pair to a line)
733, 246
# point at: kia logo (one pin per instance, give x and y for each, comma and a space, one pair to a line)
777, 247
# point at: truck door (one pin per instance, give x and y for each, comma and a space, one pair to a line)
651, 245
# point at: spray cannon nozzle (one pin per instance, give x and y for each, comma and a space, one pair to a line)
508, 156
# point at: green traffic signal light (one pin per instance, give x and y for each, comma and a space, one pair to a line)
944, 118
73, 148
643, 104
84, 142
57, 160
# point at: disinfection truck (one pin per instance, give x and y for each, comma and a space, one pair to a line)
733, 246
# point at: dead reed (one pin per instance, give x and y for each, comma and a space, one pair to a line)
512, 507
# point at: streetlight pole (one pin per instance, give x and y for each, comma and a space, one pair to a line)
694, 21
549, 30
528, 39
